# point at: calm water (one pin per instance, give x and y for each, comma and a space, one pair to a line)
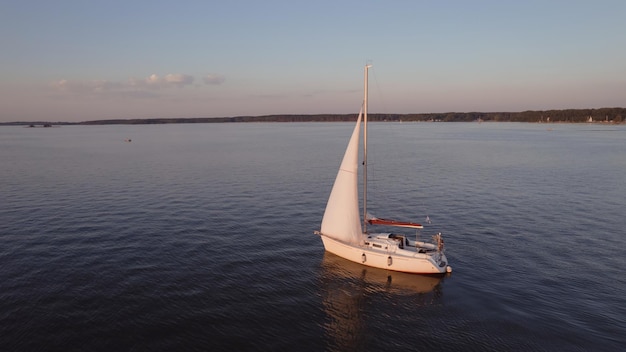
200, 237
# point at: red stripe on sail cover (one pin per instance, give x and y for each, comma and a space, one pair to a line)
388, 222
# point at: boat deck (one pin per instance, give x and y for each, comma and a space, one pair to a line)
398, 245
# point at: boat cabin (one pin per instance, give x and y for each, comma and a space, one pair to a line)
391, 241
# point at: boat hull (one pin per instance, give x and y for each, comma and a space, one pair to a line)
415, 263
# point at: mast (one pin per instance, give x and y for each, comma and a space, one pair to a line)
365, 149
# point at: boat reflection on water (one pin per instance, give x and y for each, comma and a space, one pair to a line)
359, 299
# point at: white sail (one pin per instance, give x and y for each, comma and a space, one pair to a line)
342, 219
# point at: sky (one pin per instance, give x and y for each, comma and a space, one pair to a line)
82, 60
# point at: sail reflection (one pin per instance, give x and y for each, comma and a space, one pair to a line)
354, 296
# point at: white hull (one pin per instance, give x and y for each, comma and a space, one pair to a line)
391, 258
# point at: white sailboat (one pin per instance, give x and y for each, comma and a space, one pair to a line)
344, 234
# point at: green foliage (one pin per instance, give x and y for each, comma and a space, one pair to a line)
611, 115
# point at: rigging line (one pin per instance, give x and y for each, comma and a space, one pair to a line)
379, 92
381, 102
373, 151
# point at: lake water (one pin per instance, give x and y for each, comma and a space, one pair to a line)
200, 238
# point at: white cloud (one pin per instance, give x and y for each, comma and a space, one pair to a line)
178, 79
133, 87
86, 86
214, 79
170, 80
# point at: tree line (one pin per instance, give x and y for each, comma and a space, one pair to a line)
611, 115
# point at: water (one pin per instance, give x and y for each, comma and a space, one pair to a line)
200, 237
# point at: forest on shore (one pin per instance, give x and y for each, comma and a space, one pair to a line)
607, 115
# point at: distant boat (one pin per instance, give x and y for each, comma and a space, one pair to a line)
344, 234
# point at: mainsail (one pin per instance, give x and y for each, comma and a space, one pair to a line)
342, 219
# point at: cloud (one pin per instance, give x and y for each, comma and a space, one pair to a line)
214, 79
178, 79
133, 87
154, 81
89, 86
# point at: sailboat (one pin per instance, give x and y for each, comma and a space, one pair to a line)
344, 234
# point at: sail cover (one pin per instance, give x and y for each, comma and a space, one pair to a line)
389, 222
342, 219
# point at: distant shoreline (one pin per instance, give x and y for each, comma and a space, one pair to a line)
602, 115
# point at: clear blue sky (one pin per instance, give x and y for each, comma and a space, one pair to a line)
84, 60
